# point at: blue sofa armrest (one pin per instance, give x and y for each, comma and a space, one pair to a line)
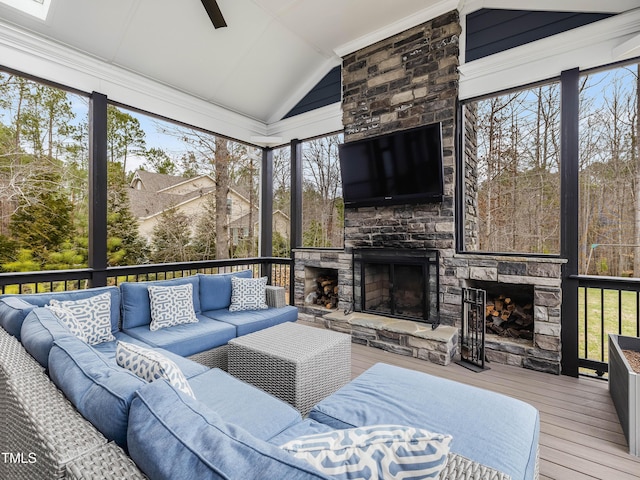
13, 311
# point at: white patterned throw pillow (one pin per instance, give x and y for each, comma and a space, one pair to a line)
150, 365
374, 452
172, 305
67, 317
248, 294
92, 315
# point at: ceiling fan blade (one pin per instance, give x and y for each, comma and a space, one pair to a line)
211, 6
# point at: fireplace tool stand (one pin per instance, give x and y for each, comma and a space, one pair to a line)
474, 307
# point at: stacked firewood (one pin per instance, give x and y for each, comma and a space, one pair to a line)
508, 318
327, 291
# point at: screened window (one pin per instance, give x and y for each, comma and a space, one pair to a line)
511, 159
43, 176
609, 236
322, 204
178, 194
282, 202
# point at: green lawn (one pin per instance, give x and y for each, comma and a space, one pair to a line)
599, 324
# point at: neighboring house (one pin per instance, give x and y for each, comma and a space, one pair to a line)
151, 194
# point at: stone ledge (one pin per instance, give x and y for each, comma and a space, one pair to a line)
403, 337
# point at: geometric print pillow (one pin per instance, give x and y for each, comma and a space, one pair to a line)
171, 306
92, 314
67, 317
248, 294
150, 366
374, 452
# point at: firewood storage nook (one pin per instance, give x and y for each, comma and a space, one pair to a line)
523, 303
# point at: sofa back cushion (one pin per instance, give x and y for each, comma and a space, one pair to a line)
215, 289
136, 309
100, 391
39, 330
15, 308
173, 436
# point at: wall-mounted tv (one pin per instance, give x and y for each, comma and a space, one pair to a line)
399, 167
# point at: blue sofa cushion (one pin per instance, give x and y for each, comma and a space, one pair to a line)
250, 321
172, 436
13, 311
136, 309
39, 330
19, 310
215, 289
188, 367
100, 391
188, 339
484, 425
244, 405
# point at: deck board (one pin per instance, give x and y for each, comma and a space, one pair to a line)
580, 436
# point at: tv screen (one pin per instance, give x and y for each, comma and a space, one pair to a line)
400, 167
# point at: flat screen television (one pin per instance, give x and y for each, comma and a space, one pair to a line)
399, 167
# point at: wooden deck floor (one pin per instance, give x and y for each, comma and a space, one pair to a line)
581, 437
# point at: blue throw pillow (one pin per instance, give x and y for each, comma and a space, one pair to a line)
382, 452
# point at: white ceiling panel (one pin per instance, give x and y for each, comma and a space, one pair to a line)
271, 51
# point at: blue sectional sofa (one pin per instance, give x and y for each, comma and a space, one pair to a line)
230, 429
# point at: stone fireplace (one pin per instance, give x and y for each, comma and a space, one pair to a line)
408, 80
397, 283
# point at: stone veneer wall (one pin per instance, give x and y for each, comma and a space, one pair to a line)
407, 80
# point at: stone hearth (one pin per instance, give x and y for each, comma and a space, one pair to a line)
404, 337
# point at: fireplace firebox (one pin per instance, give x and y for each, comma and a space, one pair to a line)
398, 283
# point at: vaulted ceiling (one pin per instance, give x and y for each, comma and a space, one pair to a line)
268, 57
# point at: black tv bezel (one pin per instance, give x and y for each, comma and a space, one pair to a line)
406, 199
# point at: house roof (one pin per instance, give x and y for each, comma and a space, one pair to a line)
158, 192
241, 81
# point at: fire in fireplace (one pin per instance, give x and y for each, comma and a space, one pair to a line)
398, 283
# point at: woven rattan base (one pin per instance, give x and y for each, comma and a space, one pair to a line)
297, 363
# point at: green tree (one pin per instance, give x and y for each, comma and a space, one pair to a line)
204, 238
171, 238
125, 137
42, 221
124, 244
158, 161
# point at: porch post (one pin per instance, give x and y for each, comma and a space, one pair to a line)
569, 211
98, 188
266, 209
296, 194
